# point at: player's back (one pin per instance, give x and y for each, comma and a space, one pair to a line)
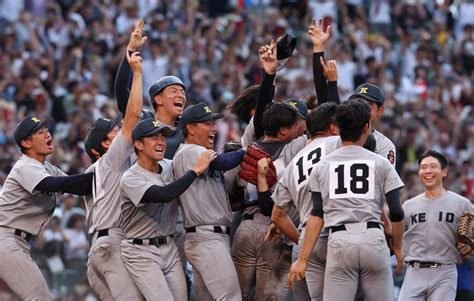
352, 182
296, 176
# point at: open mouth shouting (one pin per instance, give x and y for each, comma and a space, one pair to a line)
49, 143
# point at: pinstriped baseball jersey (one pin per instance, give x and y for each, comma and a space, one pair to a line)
353, 189
205, 202
21, 206
385, 147
140, 220
431, 227
292, 189
106, 192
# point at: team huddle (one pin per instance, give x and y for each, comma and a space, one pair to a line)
308, 208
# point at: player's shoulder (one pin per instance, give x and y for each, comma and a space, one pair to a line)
454, 197
91, 168
188, 151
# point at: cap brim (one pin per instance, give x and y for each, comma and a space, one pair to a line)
210, 116
165, 130
47, 122
300, 115
364, 96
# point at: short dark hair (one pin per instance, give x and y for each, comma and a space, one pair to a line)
278, 115
352, 116
184, 130
243, 104
321, 117
435, 154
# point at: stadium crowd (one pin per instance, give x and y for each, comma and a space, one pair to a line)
59, 59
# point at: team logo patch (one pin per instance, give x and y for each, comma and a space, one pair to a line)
391, 156
206, 108
34, 119
155, 123
363, 90
293, 103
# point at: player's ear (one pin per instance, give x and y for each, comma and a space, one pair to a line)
334, 129
138, 144
380, 110
158, 99
444, 172
26, 143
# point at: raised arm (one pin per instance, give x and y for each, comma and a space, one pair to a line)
268, 60
134, 105
330, 73
318, 39
123, 77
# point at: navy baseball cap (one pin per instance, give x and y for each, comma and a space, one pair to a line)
198, 113
164, 82
28, 126
98, 132
301, 106
150, 127
285, 47
369, 92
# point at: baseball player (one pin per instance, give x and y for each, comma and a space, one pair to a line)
149, 213
253, 257
374, 96
429, 241
27, 202
167, 95
111, 147
292, 193
206, 208
168, 99
348, 186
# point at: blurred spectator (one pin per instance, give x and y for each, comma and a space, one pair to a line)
77, 246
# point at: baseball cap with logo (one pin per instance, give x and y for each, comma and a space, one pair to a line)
369, 92
198, 113
98, 132
28, 126
301, 106
150, 127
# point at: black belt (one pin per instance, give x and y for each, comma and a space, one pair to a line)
343, 227
217, 229
156, 241
247, 216
24, 235
104, 232
419, 264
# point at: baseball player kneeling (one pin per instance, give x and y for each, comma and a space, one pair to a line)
431, 221
149, 213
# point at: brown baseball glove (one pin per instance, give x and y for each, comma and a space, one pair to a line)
249, 169
465, 230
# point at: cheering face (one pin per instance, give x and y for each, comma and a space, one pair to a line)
152, 147
431, 174
204, 133
172, 100
40, 142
